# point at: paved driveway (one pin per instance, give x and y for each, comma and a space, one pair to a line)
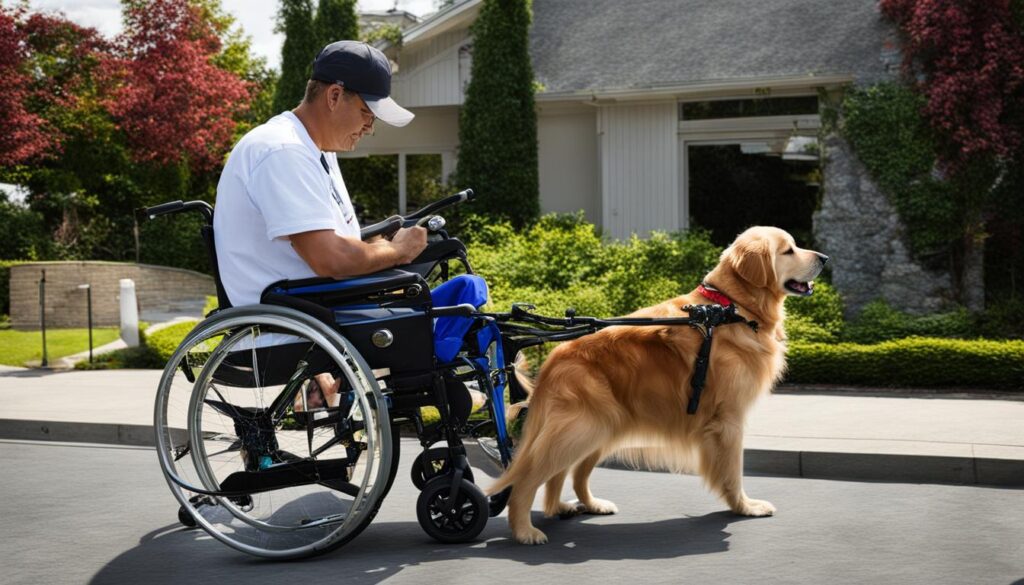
89, 514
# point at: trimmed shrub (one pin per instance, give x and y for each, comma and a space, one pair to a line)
801, 328
498, 119
880, 322
141, 357
824, 309
1002, 320
562, 261
915, 361
165, 341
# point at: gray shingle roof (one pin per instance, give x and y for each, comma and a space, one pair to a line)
617, 44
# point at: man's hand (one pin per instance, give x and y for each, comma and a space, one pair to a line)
409, 242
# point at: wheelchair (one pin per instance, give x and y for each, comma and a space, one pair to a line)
277, 424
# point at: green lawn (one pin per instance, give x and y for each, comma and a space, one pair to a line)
18, 347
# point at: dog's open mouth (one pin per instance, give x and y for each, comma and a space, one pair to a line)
804, 289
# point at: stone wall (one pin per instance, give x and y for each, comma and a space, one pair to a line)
157, 288
861, 231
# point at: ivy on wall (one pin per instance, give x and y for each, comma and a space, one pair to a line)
884, 125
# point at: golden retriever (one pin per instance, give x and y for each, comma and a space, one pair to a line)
629, 385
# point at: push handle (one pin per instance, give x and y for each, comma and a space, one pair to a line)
163, 208
175, 206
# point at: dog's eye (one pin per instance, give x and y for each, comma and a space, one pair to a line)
789, 251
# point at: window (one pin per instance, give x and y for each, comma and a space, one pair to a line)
748, 108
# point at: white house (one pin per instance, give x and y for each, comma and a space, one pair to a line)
616, 77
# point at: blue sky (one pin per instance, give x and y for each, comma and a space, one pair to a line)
255, 16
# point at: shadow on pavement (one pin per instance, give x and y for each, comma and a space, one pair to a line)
173, 555
30, 373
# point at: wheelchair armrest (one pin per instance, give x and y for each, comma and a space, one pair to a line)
387, 288
308, 307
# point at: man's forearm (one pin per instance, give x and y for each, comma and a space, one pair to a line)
329, 254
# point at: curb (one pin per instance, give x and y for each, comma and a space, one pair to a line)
893, 468
77, 432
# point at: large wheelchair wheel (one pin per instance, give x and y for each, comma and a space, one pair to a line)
273, 434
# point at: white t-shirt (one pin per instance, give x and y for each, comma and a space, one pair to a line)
275, 185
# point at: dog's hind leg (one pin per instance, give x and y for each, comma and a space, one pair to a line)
553, 504
552, 452
581, 485
721, 465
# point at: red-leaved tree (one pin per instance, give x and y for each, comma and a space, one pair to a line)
968, 56
26, 136
174, 104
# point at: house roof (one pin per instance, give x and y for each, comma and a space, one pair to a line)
587, 45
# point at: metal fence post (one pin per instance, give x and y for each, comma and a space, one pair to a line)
42, 314
88, 301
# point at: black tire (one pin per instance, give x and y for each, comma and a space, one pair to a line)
437, 458
436, 516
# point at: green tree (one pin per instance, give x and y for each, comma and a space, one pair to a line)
301, 43
336, 20
498, 123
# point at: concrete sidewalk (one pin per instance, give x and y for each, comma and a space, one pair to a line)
938, 439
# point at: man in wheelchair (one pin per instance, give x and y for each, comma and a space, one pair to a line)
283, 211
276, 415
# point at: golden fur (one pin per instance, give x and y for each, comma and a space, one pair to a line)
630, 385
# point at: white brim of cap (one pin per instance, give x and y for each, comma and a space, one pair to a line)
387, 110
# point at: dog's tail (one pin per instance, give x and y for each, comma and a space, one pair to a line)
521, 368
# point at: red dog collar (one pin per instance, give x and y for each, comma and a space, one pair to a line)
710, 293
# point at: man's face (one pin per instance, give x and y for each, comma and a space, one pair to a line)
351, 119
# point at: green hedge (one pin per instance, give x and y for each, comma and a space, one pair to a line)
152, 353
166, 340
880, 322
915, 361
817, 318
562, 261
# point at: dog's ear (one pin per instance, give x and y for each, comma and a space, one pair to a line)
754, 261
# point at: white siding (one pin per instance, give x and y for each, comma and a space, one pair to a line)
639, 168
433, 130
429, 75
568, 165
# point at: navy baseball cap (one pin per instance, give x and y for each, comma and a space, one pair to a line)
364, 70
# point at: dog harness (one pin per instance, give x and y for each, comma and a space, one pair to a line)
522, 329
705, 319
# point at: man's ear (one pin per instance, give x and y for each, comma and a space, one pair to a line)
335, 95
754, 261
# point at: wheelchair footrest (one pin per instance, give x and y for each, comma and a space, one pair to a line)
332, 473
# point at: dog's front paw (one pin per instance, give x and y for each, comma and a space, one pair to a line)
599, 506
755, 508
530, 536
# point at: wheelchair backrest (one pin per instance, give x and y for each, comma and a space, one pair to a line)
211, 254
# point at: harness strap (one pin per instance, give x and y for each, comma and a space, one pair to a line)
700, 373
706, 318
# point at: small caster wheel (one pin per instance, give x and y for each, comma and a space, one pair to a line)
452, 520
436, 465
186, 518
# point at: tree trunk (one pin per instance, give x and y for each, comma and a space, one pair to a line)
972, 276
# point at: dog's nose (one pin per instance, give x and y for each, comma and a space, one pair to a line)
822, 258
